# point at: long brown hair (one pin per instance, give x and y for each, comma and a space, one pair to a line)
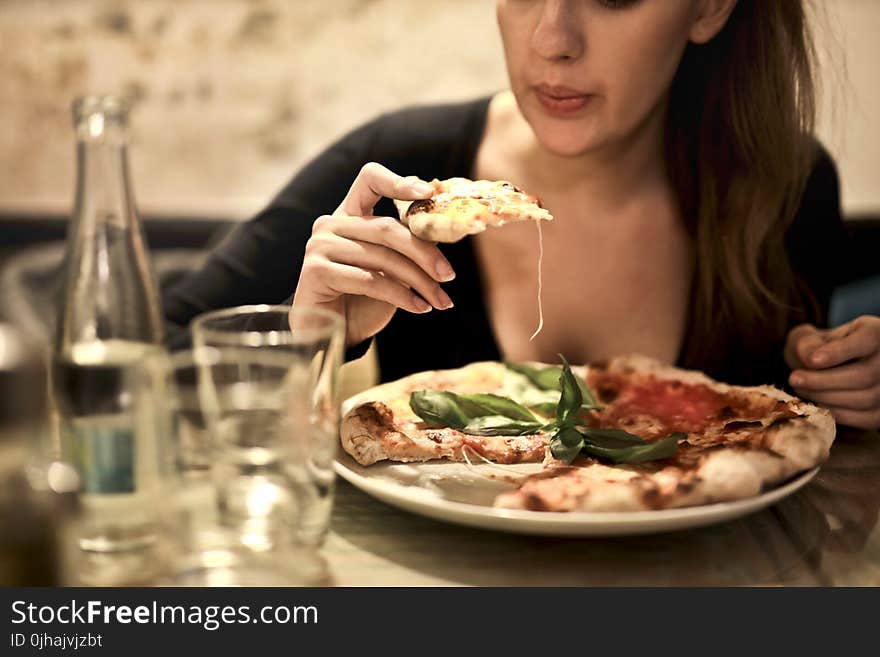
739, 149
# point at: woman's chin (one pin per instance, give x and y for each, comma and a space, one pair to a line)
567, 143
566, 138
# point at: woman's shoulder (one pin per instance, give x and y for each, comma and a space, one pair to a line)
822, 177
817, 238
440, 118
819, 206
428, 140
412, 128
434, 140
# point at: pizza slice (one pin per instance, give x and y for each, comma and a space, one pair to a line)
461, 207
382, 425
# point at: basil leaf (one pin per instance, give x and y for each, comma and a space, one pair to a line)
589, 401
612, 438
438, 409
566, 445
478, 405
547, 409
546, 382
571, 398
498, 425
545, 379
570, 436
662, 449
447, 409
531, 397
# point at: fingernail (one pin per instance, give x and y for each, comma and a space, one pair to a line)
445, 301
421, 305
444, 271
820, 357
421, 187
797, 380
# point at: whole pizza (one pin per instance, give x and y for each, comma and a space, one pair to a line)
623, 435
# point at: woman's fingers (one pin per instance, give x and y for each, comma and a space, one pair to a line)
840, 369
390, 233
859, 375
346, 279
846, 378
858, 419
374, 257
375, 182
808, 346
857, 339
366, 267
855, 400
800, 343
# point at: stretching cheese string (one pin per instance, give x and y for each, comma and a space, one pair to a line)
507, 470
540, 280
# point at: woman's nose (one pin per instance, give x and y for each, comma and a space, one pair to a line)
558, 35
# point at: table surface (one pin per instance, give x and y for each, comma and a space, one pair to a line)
825, 534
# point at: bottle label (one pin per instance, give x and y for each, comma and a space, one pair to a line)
103, 456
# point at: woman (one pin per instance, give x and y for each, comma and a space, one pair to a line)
696, 219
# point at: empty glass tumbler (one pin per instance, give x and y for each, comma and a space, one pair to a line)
270, 396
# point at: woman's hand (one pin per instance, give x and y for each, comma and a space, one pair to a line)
839, 368
367, 267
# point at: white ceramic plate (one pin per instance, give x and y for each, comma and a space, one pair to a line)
462, 494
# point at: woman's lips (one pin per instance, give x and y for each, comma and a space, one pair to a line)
562, 101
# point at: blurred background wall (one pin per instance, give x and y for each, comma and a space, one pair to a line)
231, 96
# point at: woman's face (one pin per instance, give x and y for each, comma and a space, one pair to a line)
588, 73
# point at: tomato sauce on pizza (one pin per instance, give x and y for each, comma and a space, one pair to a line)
662, 406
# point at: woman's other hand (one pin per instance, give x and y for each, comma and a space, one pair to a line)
839, 368
366, 267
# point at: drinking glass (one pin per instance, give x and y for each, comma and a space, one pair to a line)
234, 529
192, 441
271, 401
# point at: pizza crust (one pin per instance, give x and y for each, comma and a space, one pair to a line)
379, 424
369, 434
364, 424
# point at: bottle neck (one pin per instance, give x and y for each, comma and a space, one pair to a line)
111, 295
103, 192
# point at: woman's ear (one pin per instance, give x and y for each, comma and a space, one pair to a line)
711, 15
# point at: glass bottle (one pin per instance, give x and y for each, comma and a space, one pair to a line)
109, 323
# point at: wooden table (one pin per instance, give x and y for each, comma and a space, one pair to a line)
825, 534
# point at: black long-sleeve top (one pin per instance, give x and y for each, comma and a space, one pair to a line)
260, 261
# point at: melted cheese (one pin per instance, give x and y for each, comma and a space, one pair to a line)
540, 281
